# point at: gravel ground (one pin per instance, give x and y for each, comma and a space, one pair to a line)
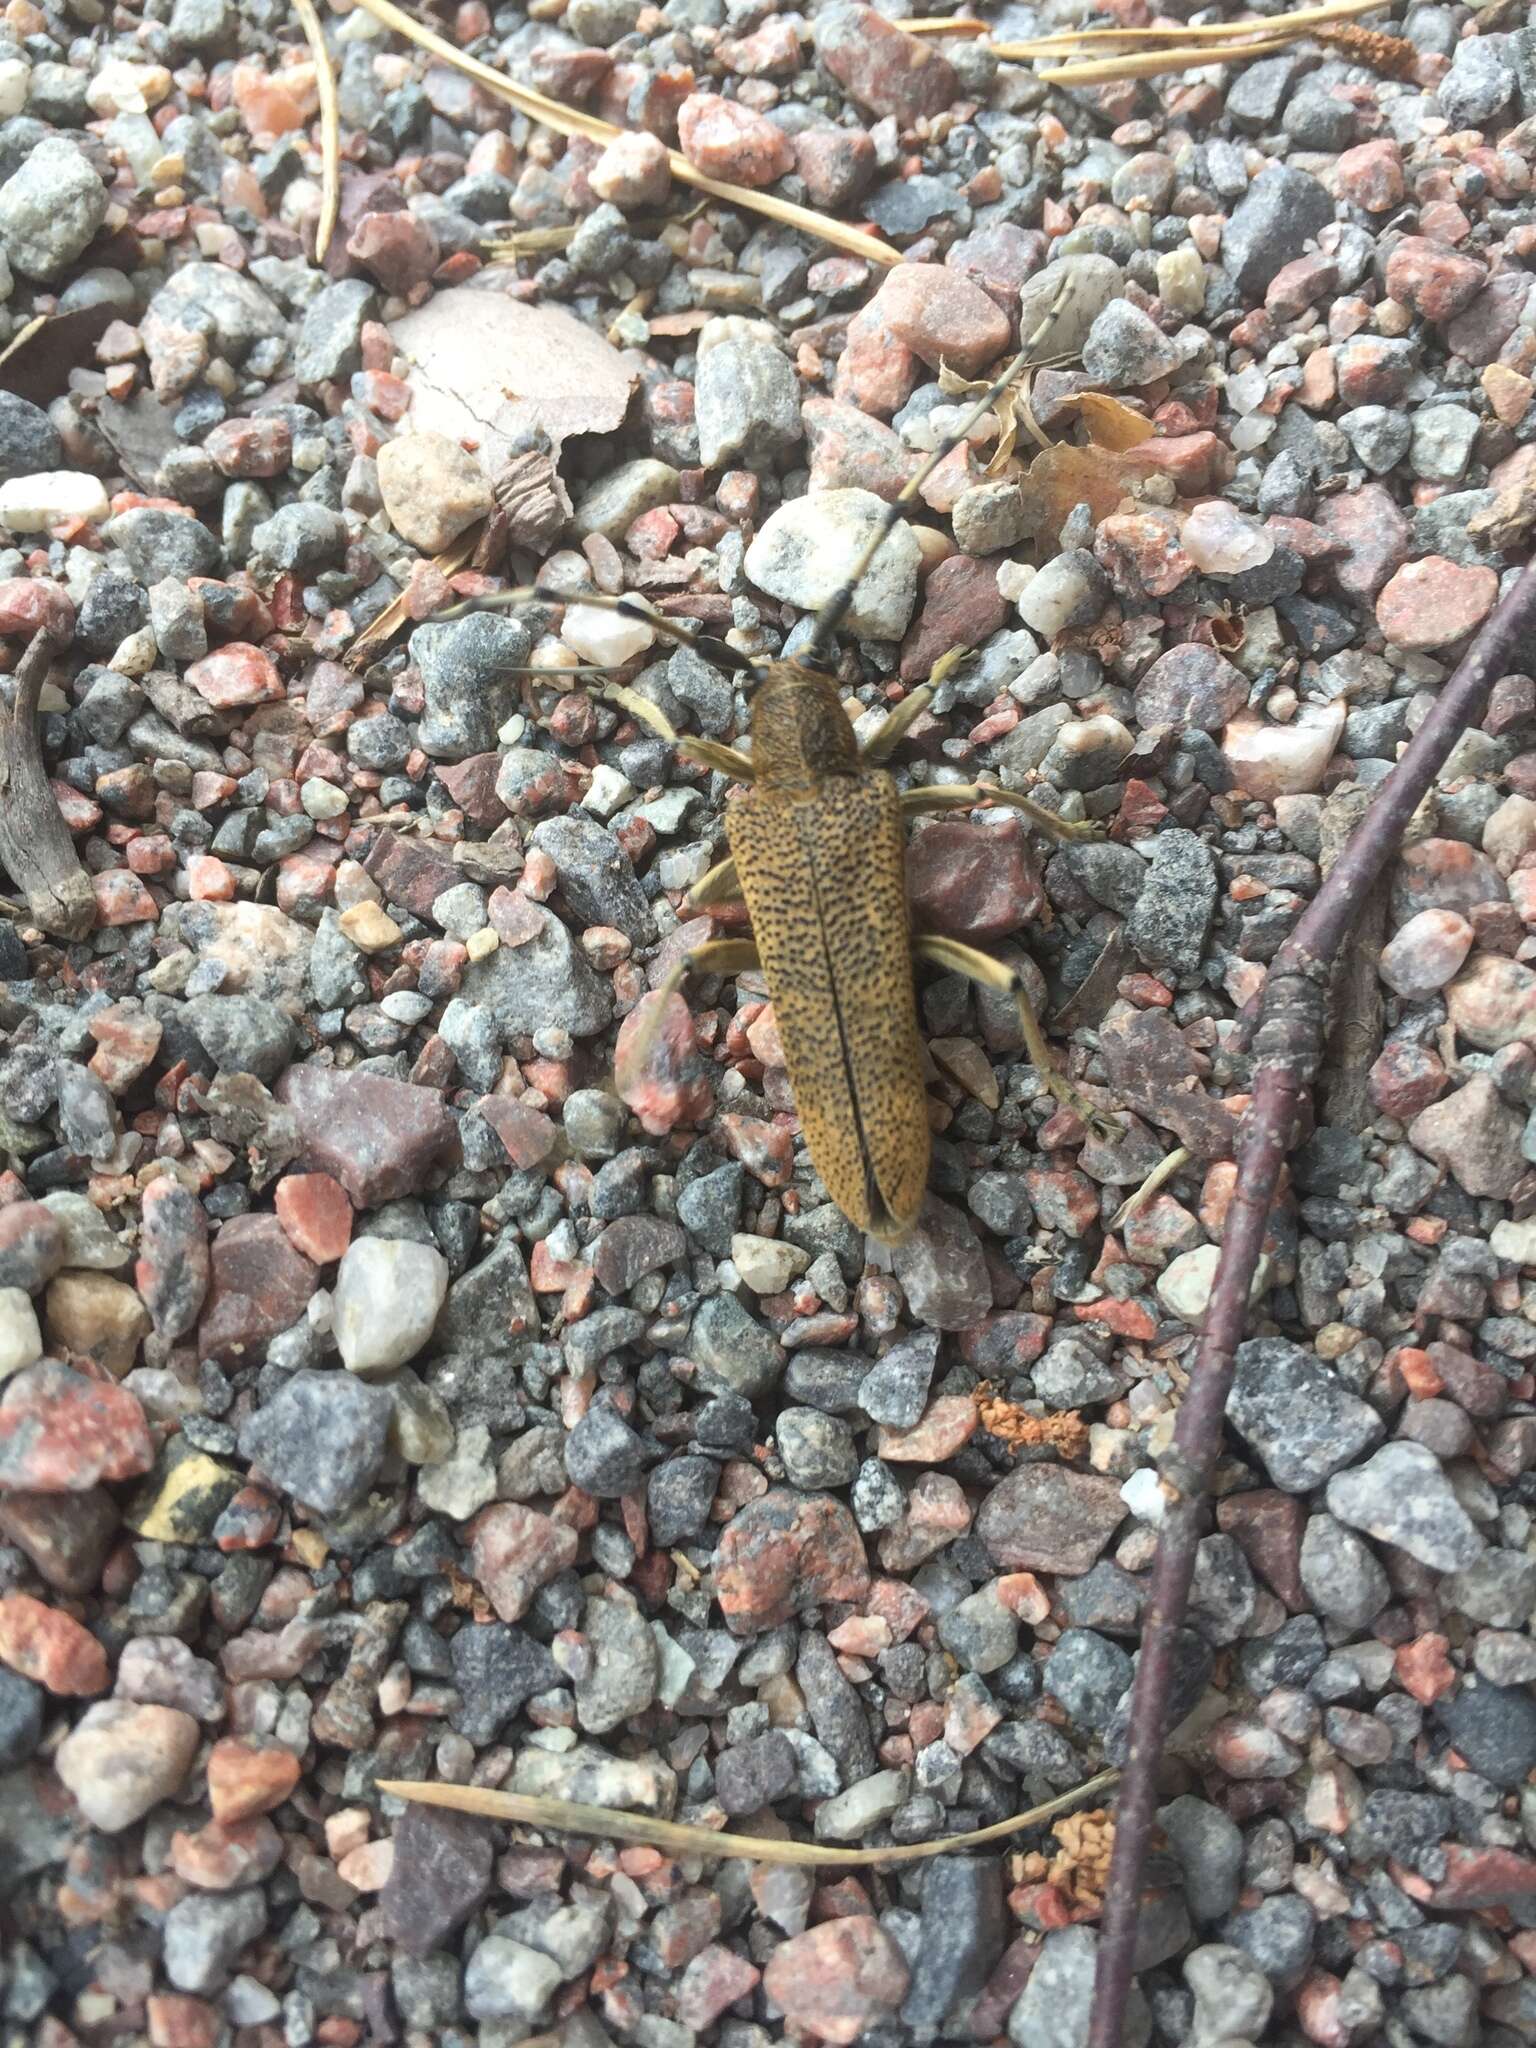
383, 1397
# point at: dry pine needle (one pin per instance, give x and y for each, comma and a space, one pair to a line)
680, 1838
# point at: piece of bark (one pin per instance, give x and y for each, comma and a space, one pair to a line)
36, 850
1356, 1008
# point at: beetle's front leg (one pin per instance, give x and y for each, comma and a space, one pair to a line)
720, 884
989, 973
881, 745
706, 753
965, 796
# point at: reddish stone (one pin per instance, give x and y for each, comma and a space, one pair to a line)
1373, 371
316, 1215
1372, 534
409, 873
177, 2020
1048, 1518
943, 317
514, 1551
837, 164
1436, 282
876, 373
885, 69
399, 249
31, 1246
528, 1135
1478, 334
50, 1649
221, 1858
1372, 175
1196, 462
786, 1552
379, 1137
945, 1427
126, 1044
672, 1086
209, 879
247, 1777
962, 606
712, 1983
31, 604
972, 881
1424, 1668
773, 51
1142, 554
61, 1432
121, 898
848, 449
1406, 1078
1300, 284
1478, 1878
259, 1286
835, 1981
251, 447
236, 675
726, 140
1436, 601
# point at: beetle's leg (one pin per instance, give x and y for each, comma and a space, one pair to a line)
881, 745
989, 973
710, 754
707, 753
715, 956
965, 796
719, 653
719, 885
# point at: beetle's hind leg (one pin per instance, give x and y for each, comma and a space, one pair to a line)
965, 796
989, 973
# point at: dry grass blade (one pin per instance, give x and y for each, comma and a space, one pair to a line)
1153, 63
1165, 1169
569, 121
1086, 39
330, 126
568, 1817
397, 611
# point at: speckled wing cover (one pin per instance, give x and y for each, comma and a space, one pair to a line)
825, 881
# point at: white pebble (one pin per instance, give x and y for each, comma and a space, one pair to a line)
1515, 1242
607, 639
31, 504
1144, 1496
21, 1341
1283, 760
15, 72
766, 1264
387, 1295
322, 799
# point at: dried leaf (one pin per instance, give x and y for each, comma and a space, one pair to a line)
681, 1839
486, 367
1064, 476
1111, 424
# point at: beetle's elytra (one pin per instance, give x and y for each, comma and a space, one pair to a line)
817, 852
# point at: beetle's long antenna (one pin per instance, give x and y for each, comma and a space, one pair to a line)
718, 653
835, 610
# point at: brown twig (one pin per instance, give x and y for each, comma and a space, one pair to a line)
36, 850
1286, 1046
330, 126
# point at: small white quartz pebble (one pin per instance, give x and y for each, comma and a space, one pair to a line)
606, 639
31, 504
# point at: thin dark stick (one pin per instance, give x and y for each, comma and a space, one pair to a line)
1286, 1045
